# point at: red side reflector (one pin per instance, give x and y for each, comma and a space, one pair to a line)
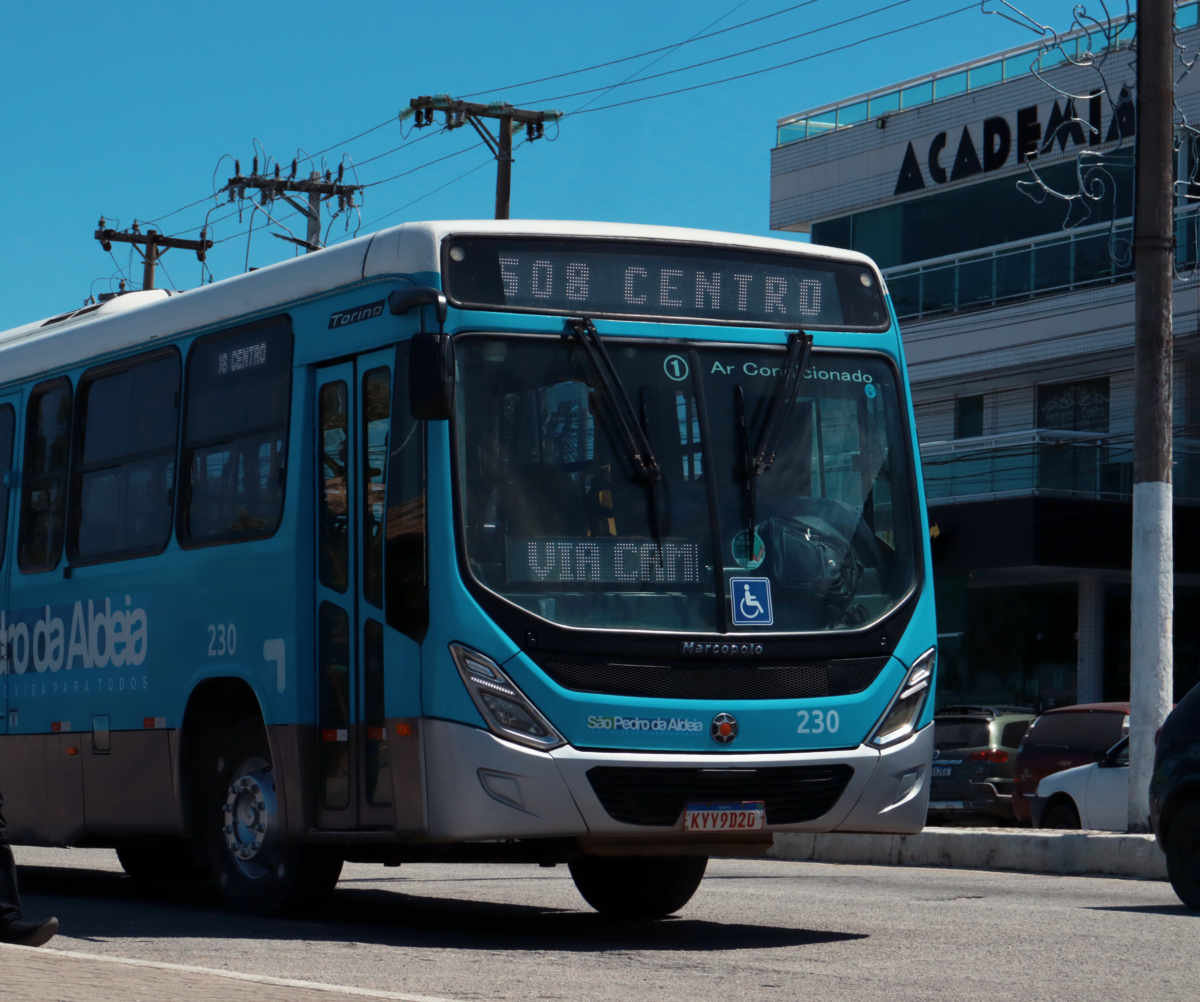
404, 730
376, 734
56, 726
149, 723
335, 735
72, 750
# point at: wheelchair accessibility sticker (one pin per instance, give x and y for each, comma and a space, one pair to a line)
751, 599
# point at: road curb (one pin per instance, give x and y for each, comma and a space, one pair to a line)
1110, 854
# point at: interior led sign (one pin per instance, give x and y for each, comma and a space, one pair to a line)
674, 281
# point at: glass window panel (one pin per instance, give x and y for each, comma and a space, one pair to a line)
1186, 17
124, 477
791, 132
948, 86
937, 289
406, 590
1012, 274
1092, 259
376, 415
905, 290
921, 93
44, 498
986, 75
827, 121
1018, 65
8, 422
333, 486
885, 104
236, 435
555, 522
333, 695
378, 772
975, 282
1052, 265
851, 114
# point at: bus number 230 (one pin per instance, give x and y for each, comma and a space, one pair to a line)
818, 721
222, 639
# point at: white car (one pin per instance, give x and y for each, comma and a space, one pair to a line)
1095, 796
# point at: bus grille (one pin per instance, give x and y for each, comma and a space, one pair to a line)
657, 796
715, 681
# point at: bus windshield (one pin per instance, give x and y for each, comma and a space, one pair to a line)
557, 521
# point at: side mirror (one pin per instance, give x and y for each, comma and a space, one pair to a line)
431, 377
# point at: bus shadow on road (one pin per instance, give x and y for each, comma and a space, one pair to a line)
193, 910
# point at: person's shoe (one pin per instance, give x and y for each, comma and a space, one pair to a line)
29, 933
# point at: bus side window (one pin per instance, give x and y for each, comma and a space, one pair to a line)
407, 585
235, 435
8, 421
376, 412
123, 463
44, 491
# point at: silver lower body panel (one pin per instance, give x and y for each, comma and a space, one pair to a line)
481, 787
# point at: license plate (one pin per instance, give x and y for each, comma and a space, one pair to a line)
747, 816
941, 770
945, 805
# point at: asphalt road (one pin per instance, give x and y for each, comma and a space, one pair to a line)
755, 930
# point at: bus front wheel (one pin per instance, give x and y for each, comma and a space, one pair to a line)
638, 886
255, 866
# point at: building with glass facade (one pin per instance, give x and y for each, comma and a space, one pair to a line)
1017, 312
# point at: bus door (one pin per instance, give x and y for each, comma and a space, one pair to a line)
353, 415
8, 542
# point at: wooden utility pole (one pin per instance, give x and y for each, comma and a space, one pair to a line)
460, 113
316, 187
1151, 628
155, 243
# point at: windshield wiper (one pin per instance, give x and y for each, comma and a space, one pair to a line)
624, 417
756, 462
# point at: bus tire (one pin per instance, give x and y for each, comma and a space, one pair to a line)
256, 868
1183, 855
638, 886
151, 858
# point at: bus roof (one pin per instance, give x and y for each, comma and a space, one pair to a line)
141, 318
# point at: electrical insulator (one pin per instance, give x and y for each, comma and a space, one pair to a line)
341, 172
277, 172
293, 170
529, 133
328, 176
237, 168
254, 166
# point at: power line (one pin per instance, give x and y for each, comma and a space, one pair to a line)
732, 55
779, 66
638, 72
649, 52
448, 156
434, 191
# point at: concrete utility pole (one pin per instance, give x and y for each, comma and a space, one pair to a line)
1151, 655
460, 113
155, 243
316, 187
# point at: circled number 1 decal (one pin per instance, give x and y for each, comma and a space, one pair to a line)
818, 721
222, 639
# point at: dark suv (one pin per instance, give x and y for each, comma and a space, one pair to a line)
1175, 797
975, 750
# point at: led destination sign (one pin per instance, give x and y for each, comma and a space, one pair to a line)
599, 559
672, 281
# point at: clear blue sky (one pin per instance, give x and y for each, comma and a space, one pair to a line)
125, 109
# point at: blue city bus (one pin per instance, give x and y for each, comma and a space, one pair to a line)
510, 541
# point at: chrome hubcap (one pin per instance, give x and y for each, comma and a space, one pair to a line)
252, 817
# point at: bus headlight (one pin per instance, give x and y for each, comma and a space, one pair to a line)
502, 705
901, 717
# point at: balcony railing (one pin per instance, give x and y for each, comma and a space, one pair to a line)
1047, 462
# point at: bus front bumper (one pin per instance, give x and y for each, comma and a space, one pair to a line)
481, 787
